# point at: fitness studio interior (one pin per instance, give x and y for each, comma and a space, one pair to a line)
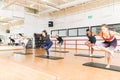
59, 39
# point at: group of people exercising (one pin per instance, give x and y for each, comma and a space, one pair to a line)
109, 44
47, 43
21, 40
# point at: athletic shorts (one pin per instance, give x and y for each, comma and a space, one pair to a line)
111, 45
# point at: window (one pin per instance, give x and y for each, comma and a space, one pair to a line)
54, 32
114, 27
82, 31
63, 32
95, 29
73, 32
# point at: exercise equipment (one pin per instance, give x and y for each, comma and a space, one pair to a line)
50, 57
59, 51
102, 66
85, 55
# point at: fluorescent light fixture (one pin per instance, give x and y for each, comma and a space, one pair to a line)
45, 0
32, 5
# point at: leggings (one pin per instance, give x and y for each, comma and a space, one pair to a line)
47, 46
61, 42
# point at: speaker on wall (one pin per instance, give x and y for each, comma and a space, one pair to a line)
50, 24
7, 31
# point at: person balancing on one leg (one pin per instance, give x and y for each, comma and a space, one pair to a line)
110, 42
91, 42
60, 41
47, 43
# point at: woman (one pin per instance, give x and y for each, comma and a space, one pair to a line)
110, 42
60, 40
12, 41
47, 43
23, 40
0, 41
92, 40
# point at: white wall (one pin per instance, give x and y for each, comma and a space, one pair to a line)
107, 14
102, 15
31, 25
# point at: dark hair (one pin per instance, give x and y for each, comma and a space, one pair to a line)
45, 32
20, 34
40, 35
88, 29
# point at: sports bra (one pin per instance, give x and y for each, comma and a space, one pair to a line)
108, 39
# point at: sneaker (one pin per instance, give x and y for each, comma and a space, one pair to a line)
47, 56
91, 54
108, 66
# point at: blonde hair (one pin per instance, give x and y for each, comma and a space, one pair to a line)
106, 26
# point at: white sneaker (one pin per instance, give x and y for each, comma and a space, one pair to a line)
91, 54
108, 66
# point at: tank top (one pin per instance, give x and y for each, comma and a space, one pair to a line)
91, 38
108, 39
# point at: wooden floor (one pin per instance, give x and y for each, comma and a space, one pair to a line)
28, 67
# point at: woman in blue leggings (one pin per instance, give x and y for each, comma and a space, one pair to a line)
47, 43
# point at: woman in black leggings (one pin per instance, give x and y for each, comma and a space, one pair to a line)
60, 40
91, 40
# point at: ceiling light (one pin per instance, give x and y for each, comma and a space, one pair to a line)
2, 17
32, 5
4, 23
45, 0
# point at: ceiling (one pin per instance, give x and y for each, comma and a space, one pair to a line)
50, 7
6, 22
35, 6
44, 6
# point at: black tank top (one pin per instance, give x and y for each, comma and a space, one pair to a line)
91, 38
60, 39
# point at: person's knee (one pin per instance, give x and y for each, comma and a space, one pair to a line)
109, 55
51, 43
